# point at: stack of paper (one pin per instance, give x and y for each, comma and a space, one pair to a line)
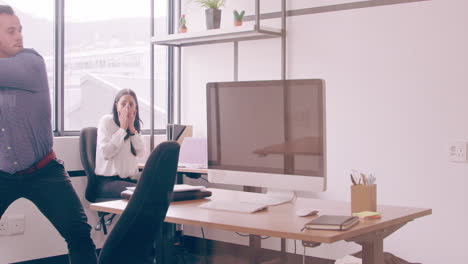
348, 260
187, 188
367, 215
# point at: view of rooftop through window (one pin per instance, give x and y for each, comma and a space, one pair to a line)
106, 49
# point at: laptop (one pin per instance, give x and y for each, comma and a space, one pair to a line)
193, 153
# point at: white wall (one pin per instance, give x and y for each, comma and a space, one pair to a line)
40, 239
396, 96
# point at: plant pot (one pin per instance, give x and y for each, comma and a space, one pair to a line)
183, 29
237, 23
213, 18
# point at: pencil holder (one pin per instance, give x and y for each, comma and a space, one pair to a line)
363, 198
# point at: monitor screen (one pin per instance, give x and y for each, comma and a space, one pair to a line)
267, 134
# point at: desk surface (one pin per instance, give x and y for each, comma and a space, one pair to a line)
182, 169
277, 221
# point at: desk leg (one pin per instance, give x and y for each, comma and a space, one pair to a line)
284, 257
255, 243
372, 252
372, 244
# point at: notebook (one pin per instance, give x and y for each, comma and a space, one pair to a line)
332, 222
179, 188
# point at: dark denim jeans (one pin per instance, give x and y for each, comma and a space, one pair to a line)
50, 189
110, 187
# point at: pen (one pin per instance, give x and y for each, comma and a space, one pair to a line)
352, 179
364, 179
371, 179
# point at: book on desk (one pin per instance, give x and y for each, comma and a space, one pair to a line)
332, 222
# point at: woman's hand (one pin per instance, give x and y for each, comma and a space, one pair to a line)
131, 122
123, 118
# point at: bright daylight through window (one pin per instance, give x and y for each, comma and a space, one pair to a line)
109, 51
107, 48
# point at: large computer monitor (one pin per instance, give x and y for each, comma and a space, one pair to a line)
267, 134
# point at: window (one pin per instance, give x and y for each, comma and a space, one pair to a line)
160, 67
107, 49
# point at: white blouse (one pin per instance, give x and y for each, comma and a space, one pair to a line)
113, 153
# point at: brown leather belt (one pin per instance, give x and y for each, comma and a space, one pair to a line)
40, 164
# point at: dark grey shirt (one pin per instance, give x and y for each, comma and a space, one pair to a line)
25, 118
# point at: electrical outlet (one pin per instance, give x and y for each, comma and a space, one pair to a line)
16, 224
457, 151
4, 226
11, 225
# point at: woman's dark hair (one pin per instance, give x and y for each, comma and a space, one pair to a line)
115, 114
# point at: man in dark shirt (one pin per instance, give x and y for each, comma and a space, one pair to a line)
28, 166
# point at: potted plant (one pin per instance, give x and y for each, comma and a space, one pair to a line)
238, 17
213, 13
182, 24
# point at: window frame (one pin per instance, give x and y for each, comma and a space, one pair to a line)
59, 71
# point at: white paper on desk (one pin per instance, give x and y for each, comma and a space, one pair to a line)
129, 192
348, 260
192, 166
179, 188
186, 188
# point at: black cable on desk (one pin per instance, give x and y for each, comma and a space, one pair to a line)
201, 177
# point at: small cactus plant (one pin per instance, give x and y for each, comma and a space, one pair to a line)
182, 24
238, 17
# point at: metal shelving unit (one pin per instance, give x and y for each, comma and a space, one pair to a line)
233, 34
241, 33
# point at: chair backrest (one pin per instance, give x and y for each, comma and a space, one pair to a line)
133, 236
88, 139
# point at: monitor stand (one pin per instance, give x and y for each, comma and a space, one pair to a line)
271, 197
282, 196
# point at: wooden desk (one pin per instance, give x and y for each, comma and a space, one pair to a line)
281, 221
182, 169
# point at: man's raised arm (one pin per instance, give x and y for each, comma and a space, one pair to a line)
24, 71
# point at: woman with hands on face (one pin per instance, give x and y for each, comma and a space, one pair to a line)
127, 111
119, 144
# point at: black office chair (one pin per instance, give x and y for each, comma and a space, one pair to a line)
132, 238
88, 139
